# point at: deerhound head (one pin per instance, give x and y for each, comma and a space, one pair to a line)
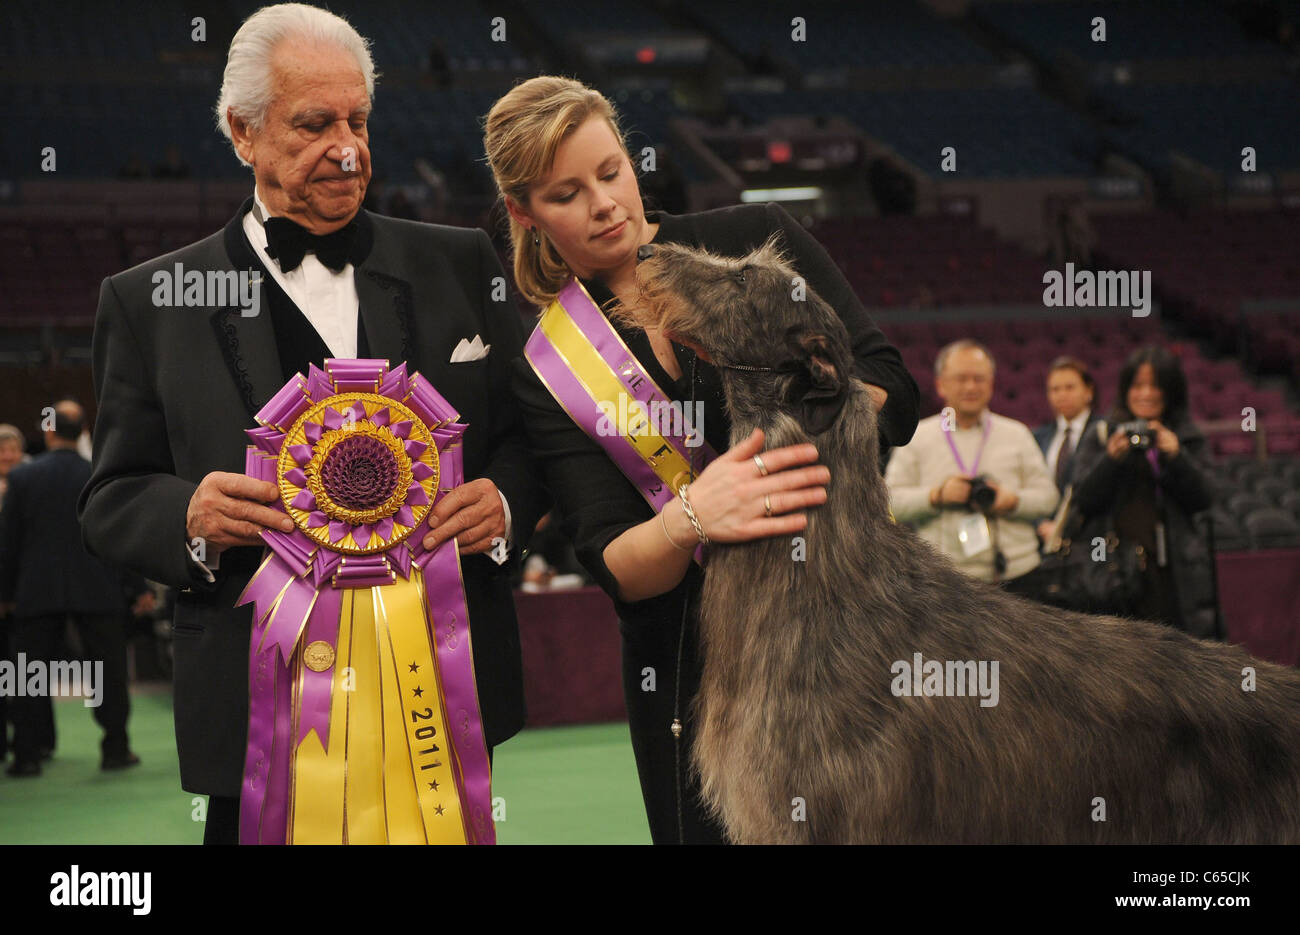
778, 343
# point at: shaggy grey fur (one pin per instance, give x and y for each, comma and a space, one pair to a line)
1097, 716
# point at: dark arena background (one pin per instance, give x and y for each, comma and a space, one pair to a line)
946, 154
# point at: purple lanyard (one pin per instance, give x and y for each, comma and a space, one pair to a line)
970, 472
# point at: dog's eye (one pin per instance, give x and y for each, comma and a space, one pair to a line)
739, 275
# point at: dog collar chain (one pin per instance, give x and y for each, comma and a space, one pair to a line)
788, 366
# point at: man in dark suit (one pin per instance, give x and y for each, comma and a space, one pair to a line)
178, 386
1070, 392
48, 580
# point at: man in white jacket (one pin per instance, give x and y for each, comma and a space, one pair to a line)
973, 483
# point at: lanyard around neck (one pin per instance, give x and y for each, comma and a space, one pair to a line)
979, 455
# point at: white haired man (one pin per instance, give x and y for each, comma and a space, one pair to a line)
973, 482
177, 386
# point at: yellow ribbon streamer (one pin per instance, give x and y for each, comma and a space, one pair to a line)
388, 774
363, 802
602, 383
423, 710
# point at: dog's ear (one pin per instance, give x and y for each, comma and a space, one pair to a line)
821, 379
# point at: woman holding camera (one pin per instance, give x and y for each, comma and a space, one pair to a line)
1144, 483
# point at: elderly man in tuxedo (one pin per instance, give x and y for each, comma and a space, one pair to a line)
179, 384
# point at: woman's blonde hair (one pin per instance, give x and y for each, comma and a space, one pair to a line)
521, 133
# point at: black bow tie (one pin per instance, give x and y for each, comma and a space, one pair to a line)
287, 243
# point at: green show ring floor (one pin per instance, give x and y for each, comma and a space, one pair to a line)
558, 785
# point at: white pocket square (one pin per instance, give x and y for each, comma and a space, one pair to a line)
469, 350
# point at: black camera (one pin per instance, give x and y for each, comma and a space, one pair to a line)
1139, 433
981, 495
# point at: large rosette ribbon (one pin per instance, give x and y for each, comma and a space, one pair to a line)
363, 713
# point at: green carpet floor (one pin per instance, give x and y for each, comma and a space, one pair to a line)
560, 785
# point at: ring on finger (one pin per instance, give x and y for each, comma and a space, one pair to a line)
762, 468
767, 505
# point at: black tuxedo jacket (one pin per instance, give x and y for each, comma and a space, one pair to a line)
44, 568
177, 387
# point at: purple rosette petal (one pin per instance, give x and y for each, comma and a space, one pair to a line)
319, 385
287, 405
267, 438
395, 385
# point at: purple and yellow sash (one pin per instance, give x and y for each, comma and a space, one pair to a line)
364, 723
581, 359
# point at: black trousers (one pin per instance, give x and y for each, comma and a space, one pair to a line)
223, 817
41, 639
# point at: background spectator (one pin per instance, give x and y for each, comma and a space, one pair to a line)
989, 535
1146, 484
1070, 393
48, 580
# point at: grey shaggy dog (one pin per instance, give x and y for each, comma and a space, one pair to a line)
801, 738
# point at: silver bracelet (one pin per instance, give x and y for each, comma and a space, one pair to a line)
664, 523
690, 514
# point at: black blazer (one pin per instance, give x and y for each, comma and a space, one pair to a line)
177, 387
44, 567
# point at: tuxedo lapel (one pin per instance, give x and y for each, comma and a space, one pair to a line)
387, 312
248, 341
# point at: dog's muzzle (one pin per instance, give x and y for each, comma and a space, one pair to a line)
644, 252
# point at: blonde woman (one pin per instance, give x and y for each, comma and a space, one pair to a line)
576, 218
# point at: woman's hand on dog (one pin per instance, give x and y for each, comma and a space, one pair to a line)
651, 558
728, 496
